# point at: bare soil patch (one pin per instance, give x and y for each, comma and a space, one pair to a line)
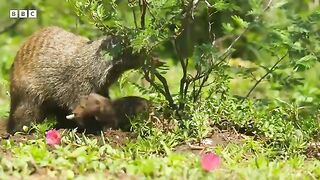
313, 150
118, 137
215, 138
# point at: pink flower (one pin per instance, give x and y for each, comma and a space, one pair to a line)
210, 161
53, 137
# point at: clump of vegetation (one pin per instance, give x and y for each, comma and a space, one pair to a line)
290, 44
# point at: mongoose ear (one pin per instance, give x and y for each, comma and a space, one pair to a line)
84, 97
83, 100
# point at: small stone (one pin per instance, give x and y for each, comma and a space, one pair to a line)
207, 142
25, 128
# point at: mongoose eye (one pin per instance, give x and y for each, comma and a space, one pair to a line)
97, 102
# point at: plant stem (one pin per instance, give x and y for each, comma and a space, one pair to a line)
273, 68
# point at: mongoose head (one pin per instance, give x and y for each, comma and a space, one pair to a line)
95, 107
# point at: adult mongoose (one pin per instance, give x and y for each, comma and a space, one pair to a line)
54, 68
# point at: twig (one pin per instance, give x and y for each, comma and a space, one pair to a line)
148, 7
11, 26
165, 92
143, 8
134, 18
264, 76
166, 89
205, 77
184, 66
194, 147
184, 61
268, 5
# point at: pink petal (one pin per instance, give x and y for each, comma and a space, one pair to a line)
53, 137
210, 161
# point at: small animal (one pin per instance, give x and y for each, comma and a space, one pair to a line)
116, 114
54, 68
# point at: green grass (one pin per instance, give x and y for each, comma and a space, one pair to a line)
82, 156
274, 147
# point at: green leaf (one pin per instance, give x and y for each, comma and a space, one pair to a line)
239, 21
79, 151
305, 62
227, 27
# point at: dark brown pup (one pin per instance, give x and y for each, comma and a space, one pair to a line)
109, 114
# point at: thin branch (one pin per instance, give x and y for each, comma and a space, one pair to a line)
143, 8
204, 80
184, 61
11, 26
165, 91
268, 6
149, 9
187, 82
252, 75
272, 69
186, 87
184, 70
234, 41
205, 76
183, 83
134, 18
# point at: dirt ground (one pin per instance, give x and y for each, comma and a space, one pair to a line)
215, 138
118, 138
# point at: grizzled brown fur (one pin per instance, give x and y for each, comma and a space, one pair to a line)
109, 114
54, 68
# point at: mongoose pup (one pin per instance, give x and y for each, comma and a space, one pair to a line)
54, 68
110, 114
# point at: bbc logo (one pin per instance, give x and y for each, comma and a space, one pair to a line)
15, 14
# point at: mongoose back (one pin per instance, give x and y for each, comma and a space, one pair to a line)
54, 68
115, 114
